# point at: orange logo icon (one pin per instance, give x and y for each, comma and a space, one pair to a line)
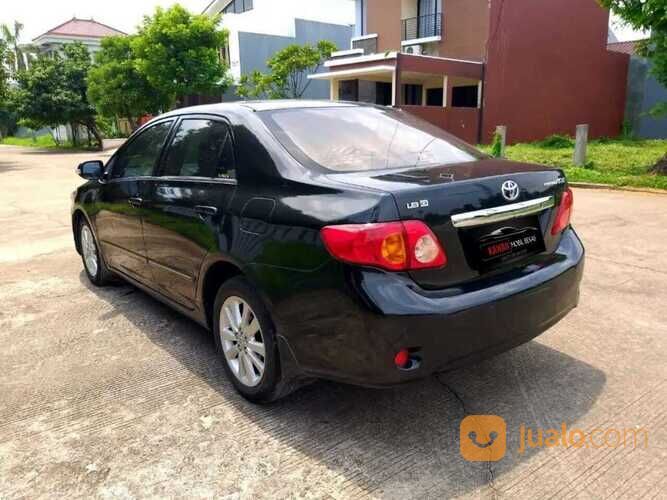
483, 438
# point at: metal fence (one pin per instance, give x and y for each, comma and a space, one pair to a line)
369, 45
421, 27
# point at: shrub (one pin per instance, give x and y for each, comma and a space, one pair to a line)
556, 142
496, 145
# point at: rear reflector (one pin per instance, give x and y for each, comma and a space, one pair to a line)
402, 358
395, 246
564, 212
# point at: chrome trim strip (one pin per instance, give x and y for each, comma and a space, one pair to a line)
497, 214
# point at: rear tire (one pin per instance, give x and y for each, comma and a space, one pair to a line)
93, 263
246, 339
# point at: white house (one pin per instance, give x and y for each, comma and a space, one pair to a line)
259, 28
87, 31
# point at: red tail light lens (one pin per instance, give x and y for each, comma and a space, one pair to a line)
564, 212
396, 246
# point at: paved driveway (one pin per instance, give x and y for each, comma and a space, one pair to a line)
108, 393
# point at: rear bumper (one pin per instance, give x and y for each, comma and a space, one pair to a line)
355, 338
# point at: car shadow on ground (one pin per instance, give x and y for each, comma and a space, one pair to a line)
384, 440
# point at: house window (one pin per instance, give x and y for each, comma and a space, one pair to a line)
238, 7
412, 95
464, 96
434, 97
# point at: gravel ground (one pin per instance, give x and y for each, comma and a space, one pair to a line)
107, 393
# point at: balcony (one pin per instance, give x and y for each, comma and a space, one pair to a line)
367, 43
416, 28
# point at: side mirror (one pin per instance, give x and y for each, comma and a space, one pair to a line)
90, 170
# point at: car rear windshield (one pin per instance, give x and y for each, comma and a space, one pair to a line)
353, 139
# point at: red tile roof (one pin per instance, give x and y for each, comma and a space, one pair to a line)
624, 47
84, 28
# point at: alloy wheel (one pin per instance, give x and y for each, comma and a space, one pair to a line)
89, 250
242, 341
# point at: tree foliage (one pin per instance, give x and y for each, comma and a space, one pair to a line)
640, 14
53, 91
647, 15
19, 54
4, 73
288, 72
179, 52
117, 88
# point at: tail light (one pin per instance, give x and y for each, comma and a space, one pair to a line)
395, 246
564, 212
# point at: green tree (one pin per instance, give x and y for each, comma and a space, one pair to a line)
288, 72
4, 74
53, 91
179, 53
117, 88
647, 15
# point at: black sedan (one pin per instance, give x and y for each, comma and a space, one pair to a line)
333, 240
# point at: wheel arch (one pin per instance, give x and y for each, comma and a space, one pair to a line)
214, 276
77, 216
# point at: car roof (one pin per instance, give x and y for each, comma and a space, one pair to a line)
269, 105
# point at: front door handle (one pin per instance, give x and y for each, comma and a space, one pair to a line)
135, 202
205, 210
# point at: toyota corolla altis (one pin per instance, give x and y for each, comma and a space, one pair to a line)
333, 240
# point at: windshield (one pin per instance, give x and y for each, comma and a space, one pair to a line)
352, 139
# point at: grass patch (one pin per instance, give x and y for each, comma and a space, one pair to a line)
44, 141
619, 162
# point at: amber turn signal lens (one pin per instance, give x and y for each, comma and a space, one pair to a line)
393, 248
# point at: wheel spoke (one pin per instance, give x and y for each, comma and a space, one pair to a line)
257, 347
256, 361
232, 352
227, 334
230, 316
242, 369
252, 329
245, 318
250, 371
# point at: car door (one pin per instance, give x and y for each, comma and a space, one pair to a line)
119, 220
186, 202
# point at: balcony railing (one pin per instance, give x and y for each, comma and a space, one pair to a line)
368, 45
421, 27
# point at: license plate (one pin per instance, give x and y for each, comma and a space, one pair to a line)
504, 247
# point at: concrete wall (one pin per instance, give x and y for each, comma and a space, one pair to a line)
465, 26
384, 18
256, 49
465, 29
644, 92
549, 69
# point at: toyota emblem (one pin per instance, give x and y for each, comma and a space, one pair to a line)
510, 190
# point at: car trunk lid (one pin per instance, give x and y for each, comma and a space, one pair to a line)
480, 229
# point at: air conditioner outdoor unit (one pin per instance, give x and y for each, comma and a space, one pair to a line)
414, 49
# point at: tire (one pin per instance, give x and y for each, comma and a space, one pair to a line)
240, 343
93, 263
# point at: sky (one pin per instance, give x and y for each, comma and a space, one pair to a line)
39, 16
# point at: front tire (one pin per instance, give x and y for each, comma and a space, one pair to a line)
93, 263
246, 339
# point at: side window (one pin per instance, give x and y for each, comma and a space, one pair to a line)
139, 157
201, 148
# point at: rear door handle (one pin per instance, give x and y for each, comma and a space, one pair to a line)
135, 202
205, 210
